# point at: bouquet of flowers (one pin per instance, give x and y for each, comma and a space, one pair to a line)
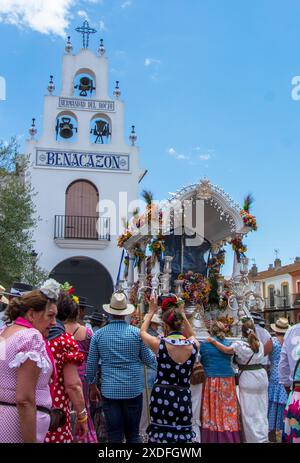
196, 287
248, 219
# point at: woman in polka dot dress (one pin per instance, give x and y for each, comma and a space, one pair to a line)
170, 403
67, 388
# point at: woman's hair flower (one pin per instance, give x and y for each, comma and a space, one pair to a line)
168, 303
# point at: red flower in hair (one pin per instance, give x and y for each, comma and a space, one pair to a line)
168, 303
71, 290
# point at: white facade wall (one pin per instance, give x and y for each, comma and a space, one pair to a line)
277, 281
51, 183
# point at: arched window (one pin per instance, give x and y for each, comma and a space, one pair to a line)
81, 214
66, 126
84, 83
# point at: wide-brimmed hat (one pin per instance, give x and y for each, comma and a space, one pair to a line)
258, 318
3, 299
18, 289
156, 319
118, 305
281, 325
83, 303
97, 317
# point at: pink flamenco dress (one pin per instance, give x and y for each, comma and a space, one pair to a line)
23, 345
64, 350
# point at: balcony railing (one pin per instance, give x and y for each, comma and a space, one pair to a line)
283, 302
81, 227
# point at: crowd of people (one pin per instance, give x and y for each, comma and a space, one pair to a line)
68, 378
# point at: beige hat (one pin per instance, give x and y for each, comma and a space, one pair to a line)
4, 299
118, 305
281, 325
156, 319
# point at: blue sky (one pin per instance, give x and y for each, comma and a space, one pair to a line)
206, 82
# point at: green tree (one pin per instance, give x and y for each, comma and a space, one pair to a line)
17, 218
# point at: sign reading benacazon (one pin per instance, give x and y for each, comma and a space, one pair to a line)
87, 105
82, 160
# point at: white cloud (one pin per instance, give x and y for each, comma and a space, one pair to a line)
44, 16
176, 155
151, 61
99, 2
102, 26
204, 157
126, 4
83, 14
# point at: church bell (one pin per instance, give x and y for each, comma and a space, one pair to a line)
85, 86
65, 128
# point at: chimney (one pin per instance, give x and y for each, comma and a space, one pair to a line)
271, 267
253, 270
277, 263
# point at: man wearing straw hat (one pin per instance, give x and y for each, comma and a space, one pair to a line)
277, 394
123, 355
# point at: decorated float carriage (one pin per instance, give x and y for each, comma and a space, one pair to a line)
180, 248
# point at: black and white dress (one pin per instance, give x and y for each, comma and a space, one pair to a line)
170, 403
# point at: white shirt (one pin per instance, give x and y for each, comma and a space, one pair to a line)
263, 337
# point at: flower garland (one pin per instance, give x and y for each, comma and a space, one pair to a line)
215, 263
157, 247
126, 266
123, 238
139, 255
214, 269
239, 248
223, 299
196, 288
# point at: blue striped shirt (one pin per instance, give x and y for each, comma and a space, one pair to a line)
122, 353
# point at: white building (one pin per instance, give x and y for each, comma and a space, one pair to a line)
80, 158
279, 289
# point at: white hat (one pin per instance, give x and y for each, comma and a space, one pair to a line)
118, 305
156, 319
281, 325
3, 299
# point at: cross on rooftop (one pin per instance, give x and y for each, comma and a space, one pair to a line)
85, 30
